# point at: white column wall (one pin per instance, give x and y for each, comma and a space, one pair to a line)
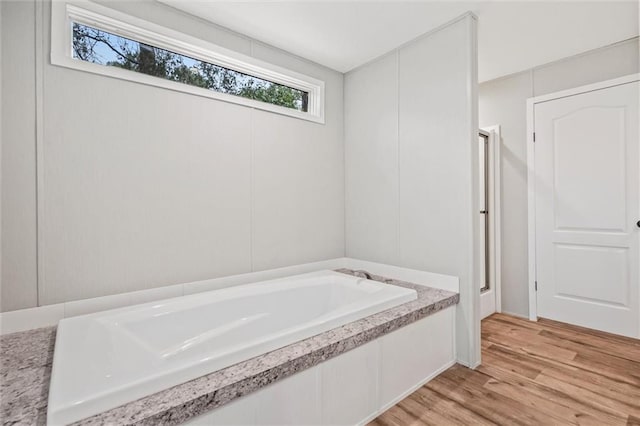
411, 179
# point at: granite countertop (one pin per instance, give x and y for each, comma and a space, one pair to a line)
26, 359
25, 368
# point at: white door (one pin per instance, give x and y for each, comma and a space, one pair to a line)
587, 207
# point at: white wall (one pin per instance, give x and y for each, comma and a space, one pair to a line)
140, 187
18, 192
410, 141
1, 38
503, 102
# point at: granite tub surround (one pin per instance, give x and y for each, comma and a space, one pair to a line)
185, 401
25, 368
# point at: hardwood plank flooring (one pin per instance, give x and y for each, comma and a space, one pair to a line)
532, 373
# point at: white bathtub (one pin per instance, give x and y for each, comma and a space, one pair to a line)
109, 358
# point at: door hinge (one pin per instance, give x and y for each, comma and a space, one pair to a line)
534, 137
536, 285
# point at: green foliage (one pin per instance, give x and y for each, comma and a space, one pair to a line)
93, 45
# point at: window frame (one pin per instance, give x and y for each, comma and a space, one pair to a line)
63, 14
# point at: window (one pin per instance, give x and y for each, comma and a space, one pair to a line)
108, 42
100, 47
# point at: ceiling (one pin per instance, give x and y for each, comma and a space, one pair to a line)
512, 35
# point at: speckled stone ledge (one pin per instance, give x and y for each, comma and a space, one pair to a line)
25, 371
27, 368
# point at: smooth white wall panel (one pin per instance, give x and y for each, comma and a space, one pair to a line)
298, 193
142, 187
298, 176
591, 67
302, 396
371, 111
293, 401
503, 102
430, 157
349, 391
438, 170
435, 152
239, 412
18, 168
432, 347
0, 162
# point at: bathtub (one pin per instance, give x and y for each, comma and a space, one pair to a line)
109, 358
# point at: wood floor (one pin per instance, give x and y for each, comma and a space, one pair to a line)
543, 373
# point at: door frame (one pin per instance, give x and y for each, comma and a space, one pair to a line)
531, 170
495, 208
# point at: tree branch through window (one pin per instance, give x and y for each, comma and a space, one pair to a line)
100, 47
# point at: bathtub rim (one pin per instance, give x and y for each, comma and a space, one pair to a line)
161, 380
223, 386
